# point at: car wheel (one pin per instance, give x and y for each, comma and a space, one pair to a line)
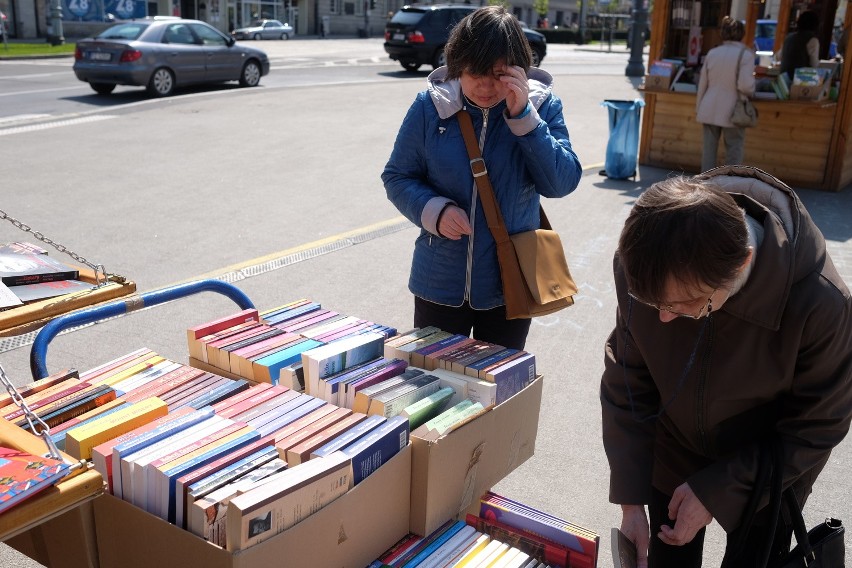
162, 83
440, 59
285, 36
410, 65
102, 88
536, 57
250, 77
257, 37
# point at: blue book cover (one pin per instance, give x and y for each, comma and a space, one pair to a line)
215, 479
351, 435
435, 544
219, 393
199, 461
273, 413
153, 436
332, 381
377, 447
285, 308
293, 313
491, 359
292, 416
280, 359
516, 376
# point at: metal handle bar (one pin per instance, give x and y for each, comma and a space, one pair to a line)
38, 354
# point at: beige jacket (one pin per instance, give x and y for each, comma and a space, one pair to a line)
719, 84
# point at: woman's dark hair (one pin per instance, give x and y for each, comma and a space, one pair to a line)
808, 21
683, 228
732, 30
484, 37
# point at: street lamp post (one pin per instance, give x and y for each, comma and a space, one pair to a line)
635, 66
56, 37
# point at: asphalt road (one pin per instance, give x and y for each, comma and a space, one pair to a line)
277, 189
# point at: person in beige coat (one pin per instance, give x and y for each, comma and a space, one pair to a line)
719, 87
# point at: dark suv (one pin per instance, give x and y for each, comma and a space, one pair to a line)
416, 35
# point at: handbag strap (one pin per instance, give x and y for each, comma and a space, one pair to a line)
771, 472
483, 183
737, 76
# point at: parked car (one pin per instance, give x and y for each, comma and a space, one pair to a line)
265, 29
764, 37
162, 54
416, 35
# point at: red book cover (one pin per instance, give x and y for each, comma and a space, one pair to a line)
22, 475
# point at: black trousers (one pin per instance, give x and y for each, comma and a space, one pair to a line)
486, 325
662, 555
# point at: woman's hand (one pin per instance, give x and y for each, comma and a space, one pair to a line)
634, 525
453, 223
515, 80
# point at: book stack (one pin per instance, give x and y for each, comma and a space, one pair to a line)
432, 349
811, 83
234, 462
28, 274
268, 346
506, 534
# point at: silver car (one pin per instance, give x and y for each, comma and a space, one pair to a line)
162, 54
265, 29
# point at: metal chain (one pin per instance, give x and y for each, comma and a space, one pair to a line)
99, 269
37, 425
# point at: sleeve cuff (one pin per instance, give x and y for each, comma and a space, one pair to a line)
429, 216
525, 122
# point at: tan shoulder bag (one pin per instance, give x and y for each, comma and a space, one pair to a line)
533, 269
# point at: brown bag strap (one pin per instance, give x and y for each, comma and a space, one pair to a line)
483, 183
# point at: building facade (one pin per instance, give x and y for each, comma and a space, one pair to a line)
30, 18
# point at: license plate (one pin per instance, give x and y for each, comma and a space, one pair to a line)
99, 56
399, 37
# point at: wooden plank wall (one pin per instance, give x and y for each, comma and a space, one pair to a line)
791, 140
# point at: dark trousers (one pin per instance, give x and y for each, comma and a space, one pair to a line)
487, 325
662, 555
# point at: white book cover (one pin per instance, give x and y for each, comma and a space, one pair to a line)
333, 357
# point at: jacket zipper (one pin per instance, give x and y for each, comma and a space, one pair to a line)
471, 220
702, 383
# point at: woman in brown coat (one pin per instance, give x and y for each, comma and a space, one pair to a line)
733, 327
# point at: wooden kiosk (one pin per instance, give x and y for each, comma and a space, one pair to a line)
805, 144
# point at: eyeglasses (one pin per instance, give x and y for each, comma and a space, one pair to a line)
705, 309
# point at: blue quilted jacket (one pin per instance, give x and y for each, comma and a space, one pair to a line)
526, 157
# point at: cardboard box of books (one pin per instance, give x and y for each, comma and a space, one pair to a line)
350, 532
449, 474
810, 84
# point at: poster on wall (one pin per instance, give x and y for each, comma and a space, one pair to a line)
100, 10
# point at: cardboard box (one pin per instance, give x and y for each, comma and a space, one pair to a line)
449, 475
809, 92
351, 532
65, 541
657, 83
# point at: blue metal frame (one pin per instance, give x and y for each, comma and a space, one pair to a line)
38, 354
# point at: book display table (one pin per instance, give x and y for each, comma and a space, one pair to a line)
78, 522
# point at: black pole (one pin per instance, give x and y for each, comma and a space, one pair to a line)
635, 66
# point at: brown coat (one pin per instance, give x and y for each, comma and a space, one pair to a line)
776, 358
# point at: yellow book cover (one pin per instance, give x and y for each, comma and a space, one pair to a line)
80, 441
139, 367
473, 551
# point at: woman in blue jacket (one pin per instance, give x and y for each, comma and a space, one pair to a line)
455, 277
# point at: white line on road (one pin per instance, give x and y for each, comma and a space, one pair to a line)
46, 125
39, 91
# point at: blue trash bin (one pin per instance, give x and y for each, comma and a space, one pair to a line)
622, 149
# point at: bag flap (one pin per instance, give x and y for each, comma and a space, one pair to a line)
543, 264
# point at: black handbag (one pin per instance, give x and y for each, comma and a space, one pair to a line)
821, 547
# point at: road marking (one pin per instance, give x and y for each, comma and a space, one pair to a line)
39, 91
22, 117
57, 124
